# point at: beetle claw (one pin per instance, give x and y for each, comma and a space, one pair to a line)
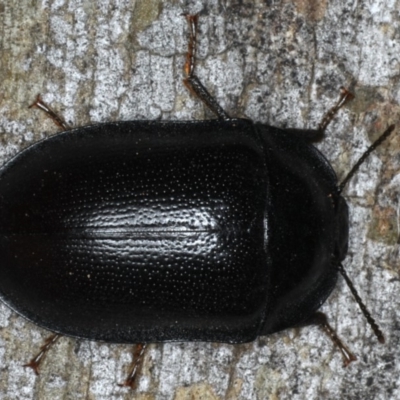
348, 359
130, 382
34, 364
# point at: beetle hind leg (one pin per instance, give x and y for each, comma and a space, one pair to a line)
136, 366
57, 119
35, 362
192, 82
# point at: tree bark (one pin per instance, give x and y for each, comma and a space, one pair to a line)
276, 62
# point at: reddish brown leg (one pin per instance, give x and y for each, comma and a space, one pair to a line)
58, 120
345, 97
191, 81
136, 366
314, 135
35, 362
321, 320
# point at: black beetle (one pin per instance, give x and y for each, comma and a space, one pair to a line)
148, 231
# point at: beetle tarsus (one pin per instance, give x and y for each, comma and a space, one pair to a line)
57, 119
136, 366
192, 82
35, 362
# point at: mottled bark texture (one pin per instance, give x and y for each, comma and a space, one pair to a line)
280, 62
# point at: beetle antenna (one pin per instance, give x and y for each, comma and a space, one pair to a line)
367, 315
365, 155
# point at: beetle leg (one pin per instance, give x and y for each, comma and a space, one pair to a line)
192, 82
314, 135
35, 362
345, 97
136, 366
321, 320
58, 120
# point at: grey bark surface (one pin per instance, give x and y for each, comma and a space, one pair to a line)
278, 62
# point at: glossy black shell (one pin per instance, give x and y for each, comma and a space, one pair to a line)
158, 231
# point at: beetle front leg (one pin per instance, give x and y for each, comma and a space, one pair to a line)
321, 320
345, 97
136, 366
192, 82
315, 135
